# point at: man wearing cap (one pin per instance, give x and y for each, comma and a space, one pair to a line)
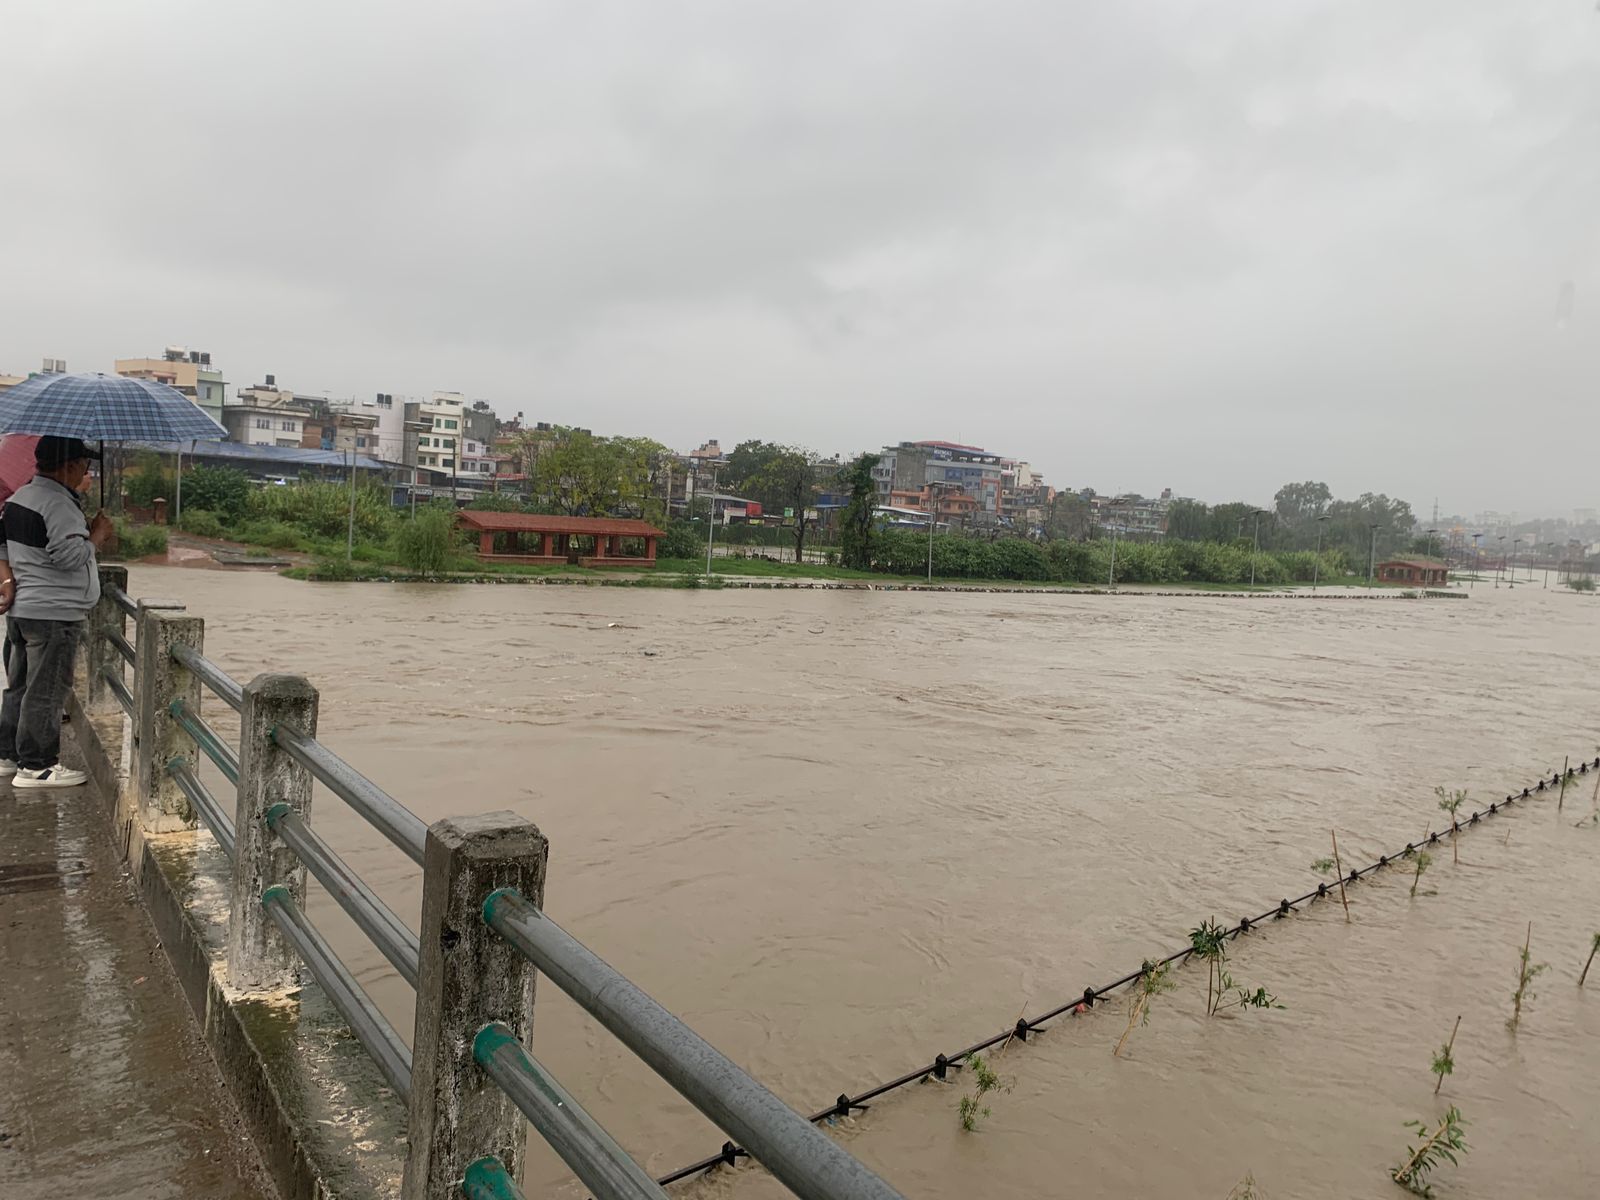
49, 580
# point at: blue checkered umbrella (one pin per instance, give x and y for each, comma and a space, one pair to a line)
104, 408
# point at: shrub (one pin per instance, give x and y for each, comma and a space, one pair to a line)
148, 481
201, 523
426, 543
681, 540
138, 541
1581, 583
333, 570
498, 502
323, 509
273, 534
220, 490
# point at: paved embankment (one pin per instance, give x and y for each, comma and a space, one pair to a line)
106, 1088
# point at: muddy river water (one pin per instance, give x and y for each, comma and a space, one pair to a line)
839, 831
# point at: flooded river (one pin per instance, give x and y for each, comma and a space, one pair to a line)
838, 832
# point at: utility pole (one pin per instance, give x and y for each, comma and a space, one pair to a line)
1372, 555
1111, 580
1477, 555
1316, 563
350, 536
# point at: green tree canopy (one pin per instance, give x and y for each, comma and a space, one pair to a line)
579, 474
855, 532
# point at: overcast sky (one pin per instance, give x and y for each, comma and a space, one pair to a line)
1199, 245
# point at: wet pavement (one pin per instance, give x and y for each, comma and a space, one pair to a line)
105, 1086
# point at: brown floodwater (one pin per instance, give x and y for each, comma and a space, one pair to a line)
840, 831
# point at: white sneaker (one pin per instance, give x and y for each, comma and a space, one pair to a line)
7, 768
51, 777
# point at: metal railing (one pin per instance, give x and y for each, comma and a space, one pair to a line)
465, 865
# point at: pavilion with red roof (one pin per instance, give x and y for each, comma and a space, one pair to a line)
538, 540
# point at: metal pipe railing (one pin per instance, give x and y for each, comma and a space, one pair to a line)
804, 1160
354, 1005
122, 645
121, 599
488, 1179
386, 814
119, 690
217, 821
207, 672
375, 919
207, 738
604, 1167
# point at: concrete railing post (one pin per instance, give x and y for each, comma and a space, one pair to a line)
468, 976
159, 679
106, 618
258, 956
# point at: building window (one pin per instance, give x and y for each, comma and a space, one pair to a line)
287, 426
449, 424
263, 423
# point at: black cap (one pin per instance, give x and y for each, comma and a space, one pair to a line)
52, 453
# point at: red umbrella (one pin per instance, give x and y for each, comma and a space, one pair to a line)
16, 462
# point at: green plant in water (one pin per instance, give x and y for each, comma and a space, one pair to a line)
1424, 861
1527, 972
1210, 945
1594, 948
1153, 981
1322, 865
984, 1080
1450, 801
1247, 1189
1243, 997
1438, 1144
1444, 1062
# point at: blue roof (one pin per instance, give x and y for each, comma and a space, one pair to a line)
278, 456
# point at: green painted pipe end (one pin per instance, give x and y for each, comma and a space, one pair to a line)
275, 814
489, 900
490, 1039
176, 707
276, 892
176, 761
488, 1179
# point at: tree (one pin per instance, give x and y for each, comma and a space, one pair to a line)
747, 462
1070, 517
855, 531
787, 481
1298, 506
1351, 525
579, 474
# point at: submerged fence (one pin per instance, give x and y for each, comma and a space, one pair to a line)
469, 1080
943, 1064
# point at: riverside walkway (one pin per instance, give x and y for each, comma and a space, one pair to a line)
106, 1088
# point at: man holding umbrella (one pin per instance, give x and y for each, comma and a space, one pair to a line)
49, 580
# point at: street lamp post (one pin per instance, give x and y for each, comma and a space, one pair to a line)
1111, 577
1316, 563
711, 520
1372, 555
1476, 558
1255, 543
1500, 566
933, 521
1511, 582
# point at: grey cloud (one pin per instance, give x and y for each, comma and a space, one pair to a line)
1211, 247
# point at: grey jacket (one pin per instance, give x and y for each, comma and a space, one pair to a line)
44, 534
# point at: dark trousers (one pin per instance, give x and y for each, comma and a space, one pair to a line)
38, 657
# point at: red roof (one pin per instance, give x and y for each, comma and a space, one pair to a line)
504, 522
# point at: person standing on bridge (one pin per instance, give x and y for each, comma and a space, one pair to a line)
49, 580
